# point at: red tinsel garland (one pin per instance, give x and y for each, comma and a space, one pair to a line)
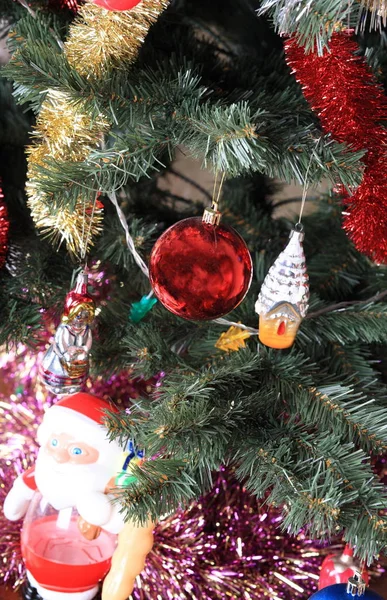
4, 229
351, 106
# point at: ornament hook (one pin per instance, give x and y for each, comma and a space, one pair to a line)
212, 216
304, 194
356, 586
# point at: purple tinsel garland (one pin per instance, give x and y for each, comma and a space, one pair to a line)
226, 546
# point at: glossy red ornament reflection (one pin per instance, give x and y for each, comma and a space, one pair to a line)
117, 4
200, 271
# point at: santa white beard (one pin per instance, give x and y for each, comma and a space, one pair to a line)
63, 485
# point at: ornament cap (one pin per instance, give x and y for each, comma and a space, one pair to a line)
356, 587
81, 283
212, 216
297, 234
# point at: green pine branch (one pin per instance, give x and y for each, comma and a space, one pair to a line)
312, 22
174, 108
367, 323
323, 485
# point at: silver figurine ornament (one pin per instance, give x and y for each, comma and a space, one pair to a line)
65, 366
283, 300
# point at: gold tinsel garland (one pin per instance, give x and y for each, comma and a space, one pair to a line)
102, 40
76, 228
66, 130
99, 42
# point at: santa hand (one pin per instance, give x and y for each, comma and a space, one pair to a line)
17, 500
95, 508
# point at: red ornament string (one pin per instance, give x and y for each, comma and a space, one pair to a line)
351, 106
4, 230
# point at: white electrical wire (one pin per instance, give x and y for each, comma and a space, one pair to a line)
129, 240
228, 323
25, 4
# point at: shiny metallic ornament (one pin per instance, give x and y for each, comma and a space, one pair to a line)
284, 296
199, 270
355, 588
65, 366
212, 216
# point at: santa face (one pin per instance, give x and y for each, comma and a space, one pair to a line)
63, 448
67, 468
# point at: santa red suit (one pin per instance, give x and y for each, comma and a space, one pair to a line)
64, 499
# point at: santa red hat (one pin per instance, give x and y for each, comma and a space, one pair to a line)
87, 405
81, 415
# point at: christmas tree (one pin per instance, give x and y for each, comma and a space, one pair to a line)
106, 98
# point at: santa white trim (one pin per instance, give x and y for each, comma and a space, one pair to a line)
59, 418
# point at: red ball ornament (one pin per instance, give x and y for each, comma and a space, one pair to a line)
117, 4
338, 568
200, 271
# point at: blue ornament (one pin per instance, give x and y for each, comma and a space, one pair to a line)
132, 451
133, 456
339, 592
140, 309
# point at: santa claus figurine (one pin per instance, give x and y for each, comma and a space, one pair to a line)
69, 533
